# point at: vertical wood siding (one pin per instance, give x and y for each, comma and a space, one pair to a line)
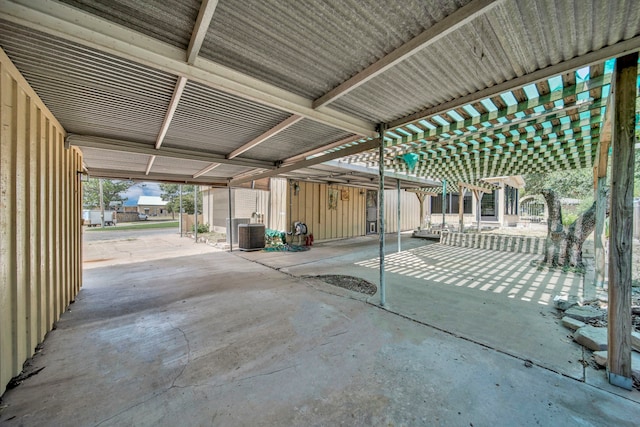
40, 229
311, 206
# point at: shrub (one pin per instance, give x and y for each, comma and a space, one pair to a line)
202, 228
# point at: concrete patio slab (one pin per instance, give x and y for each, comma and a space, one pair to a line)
212, 339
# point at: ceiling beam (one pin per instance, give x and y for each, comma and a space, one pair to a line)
375, 172
149, 164
619, 49
159, 177
310, 162
72, 24
175, 100
205, 170
175, 153
448, 25
290, 121
331, 146
207, 9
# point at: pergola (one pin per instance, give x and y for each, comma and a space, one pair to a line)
227, 92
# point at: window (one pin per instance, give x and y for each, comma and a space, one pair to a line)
452, 204
510, 200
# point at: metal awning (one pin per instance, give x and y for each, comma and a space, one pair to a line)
223, 91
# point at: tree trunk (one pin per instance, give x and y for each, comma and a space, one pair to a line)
564, 244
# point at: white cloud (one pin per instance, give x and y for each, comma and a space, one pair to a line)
141, 189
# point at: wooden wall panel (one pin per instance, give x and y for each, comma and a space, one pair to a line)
40, 232
311, 206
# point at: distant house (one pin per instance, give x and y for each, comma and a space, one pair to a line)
152, 205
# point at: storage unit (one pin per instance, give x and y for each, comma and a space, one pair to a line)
251, 237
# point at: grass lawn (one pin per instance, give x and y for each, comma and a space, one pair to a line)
138, 226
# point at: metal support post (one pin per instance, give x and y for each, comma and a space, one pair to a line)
180, 218
381, 130
230, 231
399, 227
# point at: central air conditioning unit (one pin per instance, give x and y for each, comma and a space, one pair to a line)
235, 223
251, 237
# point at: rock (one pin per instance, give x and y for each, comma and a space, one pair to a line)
585, 313
600, 357
635, 341
593, 338
571, 323
564, 302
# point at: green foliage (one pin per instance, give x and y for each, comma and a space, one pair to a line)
171, 193
202, 228
575, 183
111, 189
569, 218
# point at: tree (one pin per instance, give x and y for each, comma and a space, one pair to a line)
564, 243
112, 192
171, 194
574, 183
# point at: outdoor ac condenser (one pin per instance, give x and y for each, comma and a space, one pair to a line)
251, 237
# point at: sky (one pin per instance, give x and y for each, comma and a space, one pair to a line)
141, 189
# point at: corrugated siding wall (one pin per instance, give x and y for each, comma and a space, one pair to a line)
311, 206
277, 219
409, 211
270, 206
40, 213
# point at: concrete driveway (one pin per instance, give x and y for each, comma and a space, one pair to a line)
211, 338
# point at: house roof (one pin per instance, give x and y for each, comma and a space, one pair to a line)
151, 201
227, 92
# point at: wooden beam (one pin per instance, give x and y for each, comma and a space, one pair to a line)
175, 100
310, 162
175, 153
436, 32
616, 50
72, 24
205, 14
149, 164
205, 170
290, 121
474, 187
421, 192
621, 222
418, 140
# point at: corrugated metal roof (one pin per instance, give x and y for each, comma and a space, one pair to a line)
512, 39
168, 20
90, 92
213, 121
301, 137
309, 47
115, 160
